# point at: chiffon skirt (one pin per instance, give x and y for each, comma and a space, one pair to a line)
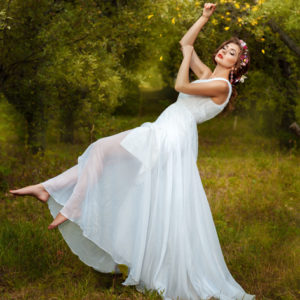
136, 198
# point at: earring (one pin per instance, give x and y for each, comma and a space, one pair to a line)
231, 75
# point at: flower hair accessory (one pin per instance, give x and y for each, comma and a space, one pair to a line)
244, 57
244, 61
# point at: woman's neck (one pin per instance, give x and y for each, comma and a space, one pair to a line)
220, 72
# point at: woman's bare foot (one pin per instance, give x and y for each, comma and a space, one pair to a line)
36, 190
58, 220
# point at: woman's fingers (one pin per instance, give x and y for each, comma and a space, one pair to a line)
210, 6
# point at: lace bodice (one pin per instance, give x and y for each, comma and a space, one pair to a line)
203, 108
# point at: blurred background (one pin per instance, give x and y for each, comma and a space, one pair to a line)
74, 71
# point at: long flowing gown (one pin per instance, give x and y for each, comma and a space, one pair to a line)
136, 198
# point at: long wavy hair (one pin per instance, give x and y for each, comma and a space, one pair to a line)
240, 69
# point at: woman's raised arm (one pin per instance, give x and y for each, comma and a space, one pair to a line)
191, 35
198, 67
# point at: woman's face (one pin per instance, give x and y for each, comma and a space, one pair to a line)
228, 55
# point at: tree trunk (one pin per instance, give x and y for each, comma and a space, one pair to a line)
67, 132
284, 37
286, 138
36, 129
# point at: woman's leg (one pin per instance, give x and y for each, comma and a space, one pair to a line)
43, 190
64, 180
89, 173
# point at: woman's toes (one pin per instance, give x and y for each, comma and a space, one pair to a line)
57, 221
28, 190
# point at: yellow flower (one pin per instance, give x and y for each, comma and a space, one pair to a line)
239, 20
161, 58
237, 5
222, 1
160, 35
228, 19
179, 15
150, 16
226, 28
173, 21
253, 22
177, 8
227, 13
247, 5
263, 51
254, 8
197, 3
214, 21
222, 17
240, 24
262, 39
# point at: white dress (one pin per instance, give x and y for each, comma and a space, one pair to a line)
136, 198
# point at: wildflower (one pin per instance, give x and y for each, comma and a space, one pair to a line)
228, 19
226, 28
173, 21
237, 5
161, 58
263, 51
227, 13
239, 20
150, 16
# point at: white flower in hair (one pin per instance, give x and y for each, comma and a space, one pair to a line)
243, 78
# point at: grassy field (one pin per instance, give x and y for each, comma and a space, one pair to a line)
253, 189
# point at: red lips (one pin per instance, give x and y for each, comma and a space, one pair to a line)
220, 55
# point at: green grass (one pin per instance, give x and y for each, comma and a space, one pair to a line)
253, 189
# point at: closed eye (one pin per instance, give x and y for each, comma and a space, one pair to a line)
232, 53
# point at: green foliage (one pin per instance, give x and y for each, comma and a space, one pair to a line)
71, 61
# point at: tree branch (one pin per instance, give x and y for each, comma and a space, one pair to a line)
284, 37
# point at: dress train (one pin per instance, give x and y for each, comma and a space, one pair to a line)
136, 198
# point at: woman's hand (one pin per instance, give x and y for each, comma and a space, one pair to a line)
208, 9
187, 50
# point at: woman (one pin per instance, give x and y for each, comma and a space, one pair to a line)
136, 198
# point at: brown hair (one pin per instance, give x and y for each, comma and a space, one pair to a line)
240, 69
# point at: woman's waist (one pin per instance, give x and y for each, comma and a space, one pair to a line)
176, 115
186, 108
